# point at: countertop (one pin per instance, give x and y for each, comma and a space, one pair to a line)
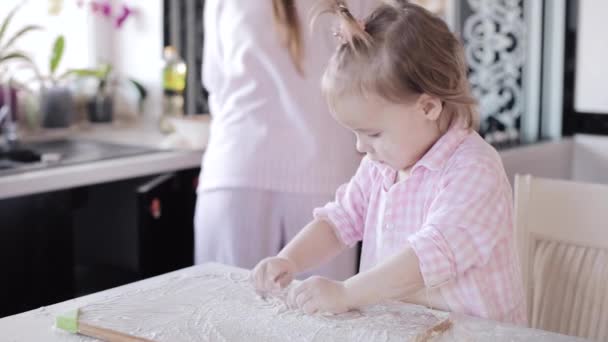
62, 177
214, 302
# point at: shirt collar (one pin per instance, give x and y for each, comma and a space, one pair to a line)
434, 159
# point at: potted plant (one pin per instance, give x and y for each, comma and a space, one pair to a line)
8, 55
100, 105
56, 102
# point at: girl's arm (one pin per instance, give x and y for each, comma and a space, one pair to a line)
394, 278
338, 225
313, 246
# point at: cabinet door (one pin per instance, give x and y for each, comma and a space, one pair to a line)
165, 222
36, 251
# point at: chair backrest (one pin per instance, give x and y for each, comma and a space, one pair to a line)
562, 241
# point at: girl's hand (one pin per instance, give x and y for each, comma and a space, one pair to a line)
320, 295
272, 274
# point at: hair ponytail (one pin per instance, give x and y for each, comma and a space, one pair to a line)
350, 31
288, 25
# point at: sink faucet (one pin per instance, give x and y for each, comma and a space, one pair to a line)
8, 127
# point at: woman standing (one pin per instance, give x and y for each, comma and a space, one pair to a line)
274, 153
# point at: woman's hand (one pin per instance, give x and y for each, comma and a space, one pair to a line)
320, 295
272, 274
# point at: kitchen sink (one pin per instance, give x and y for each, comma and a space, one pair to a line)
29, 156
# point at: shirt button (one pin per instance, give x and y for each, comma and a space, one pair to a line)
388, 226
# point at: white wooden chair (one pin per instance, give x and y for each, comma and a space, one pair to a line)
562, 240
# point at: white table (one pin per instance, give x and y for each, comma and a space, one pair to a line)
214, 302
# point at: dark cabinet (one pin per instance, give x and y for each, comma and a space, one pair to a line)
59, 245
36, 251
134, 229
165, 223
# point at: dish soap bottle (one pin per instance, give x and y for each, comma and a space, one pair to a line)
174, 83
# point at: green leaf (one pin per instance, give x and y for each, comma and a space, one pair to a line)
104, 70
57, 53
143, 93
15, 55
63, 76
7, 20
21, 32
85, 72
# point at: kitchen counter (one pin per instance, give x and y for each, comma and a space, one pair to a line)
62, 177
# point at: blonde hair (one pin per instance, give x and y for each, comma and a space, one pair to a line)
398, 52
288, 25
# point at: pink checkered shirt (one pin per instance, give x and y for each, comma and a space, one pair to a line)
454, 209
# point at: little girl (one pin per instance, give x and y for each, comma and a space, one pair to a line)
430, 201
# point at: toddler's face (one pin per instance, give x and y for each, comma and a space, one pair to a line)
394, 134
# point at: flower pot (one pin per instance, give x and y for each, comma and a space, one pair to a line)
56, 107
101, 108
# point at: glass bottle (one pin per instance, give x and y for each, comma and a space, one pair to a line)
174, 83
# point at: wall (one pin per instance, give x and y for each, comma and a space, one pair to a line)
590, 159
134, 50
72, 22
591, 56
548, 159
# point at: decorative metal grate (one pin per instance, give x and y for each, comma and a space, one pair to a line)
494, 34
